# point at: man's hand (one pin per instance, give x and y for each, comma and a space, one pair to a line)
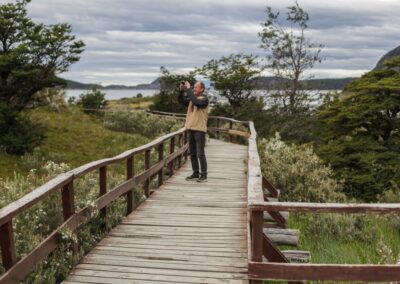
182, 86
187, 85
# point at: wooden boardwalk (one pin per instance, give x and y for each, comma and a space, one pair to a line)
185, 232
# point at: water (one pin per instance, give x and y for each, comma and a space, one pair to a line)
113, 94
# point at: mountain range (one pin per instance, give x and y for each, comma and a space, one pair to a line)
262, 83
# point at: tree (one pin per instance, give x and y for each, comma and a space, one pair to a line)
233, 76
291, 53
359, 133
94, 99
31, 55
166, 100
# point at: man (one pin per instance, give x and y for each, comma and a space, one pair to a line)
196, 123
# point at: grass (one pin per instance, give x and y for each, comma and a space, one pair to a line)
374, 240
349, 246
72, 137
130, 103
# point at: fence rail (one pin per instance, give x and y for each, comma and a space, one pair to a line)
258, 241
17, 270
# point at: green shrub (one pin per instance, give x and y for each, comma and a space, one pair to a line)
35, 224
148, 125
18, 134
94, 99
298, 172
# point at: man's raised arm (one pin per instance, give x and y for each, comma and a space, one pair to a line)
182, 99
200, 103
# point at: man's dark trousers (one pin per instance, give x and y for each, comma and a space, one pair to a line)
197, 141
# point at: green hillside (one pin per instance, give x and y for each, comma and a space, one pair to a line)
72, 137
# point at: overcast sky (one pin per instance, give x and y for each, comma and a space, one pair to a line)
128, 40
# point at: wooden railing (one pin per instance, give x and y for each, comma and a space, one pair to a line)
216, 124
259, 245
17, 270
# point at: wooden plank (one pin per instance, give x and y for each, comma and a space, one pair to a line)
173, 257
167, 247
324, 272
179, 265
383, 208
161, 271
127, 278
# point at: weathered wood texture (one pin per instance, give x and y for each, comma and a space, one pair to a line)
184, 232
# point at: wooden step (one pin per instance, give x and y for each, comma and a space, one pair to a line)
287, 237
268, 194
268, 217
271, 199
295, 256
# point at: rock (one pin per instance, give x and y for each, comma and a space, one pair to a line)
393, 53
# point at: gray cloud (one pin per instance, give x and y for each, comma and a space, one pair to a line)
127, 41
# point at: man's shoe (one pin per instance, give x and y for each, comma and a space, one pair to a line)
202, 178
192, 177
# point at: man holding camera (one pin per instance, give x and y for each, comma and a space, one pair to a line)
196, 123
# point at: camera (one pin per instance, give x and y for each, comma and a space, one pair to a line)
182, 85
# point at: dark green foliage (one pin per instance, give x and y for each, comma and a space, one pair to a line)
18, 133
233, 77
166, 99
30, 56
94, 99
252, 110
297, 127
359, 133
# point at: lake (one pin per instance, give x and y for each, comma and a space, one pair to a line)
113, 94
119, 94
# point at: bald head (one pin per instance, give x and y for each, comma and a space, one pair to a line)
199, 88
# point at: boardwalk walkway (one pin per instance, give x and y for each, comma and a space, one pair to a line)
184, 233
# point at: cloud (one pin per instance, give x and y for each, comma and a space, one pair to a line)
127, 41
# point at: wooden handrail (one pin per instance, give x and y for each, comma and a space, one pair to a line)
175, 114
383, 208
17, 270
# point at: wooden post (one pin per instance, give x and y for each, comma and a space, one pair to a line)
160, 158
230, 135
147, 166
256, 236
68, 204
217, 135
185, 140
257, 239
129, 174
171, 151
180, 146
7, 245
103, 189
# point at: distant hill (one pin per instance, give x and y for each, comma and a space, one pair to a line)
312, 84
262, 83
76, 85
393, 53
